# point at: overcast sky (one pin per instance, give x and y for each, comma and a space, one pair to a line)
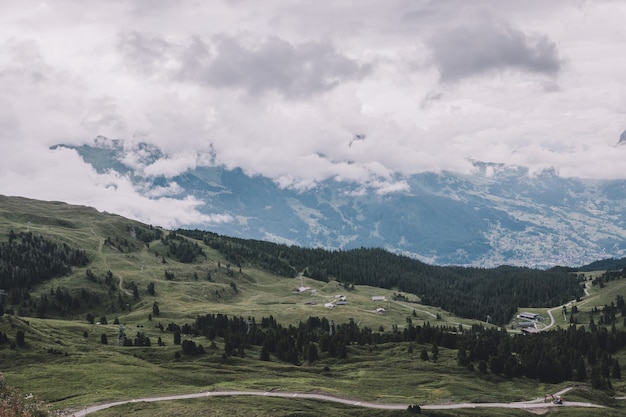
302, 91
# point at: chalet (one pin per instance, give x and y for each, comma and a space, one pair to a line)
380, 310
378, 298
530, 330
529, 316
329, 305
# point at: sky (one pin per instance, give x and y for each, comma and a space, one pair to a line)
366, 91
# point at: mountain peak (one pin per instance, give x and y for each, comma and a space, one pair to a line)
499, 214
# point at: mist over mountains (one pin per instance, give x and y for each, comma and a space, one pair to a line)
497, 215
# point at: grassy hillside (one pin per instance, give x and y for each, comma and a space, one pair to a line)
62, 358
200, 287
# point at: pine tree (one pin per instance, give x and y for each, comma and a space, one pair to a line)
311, 353
265, 354
20, 338
617, 371
581, 370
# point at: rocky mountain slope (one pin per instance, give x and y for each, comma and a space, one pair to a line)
497, 215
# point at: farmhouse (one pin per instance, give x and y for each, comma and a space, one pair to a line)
529, 316
530, 330
378, 298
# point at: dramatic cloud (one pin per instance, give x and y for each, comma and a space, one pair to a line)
295, 71
362, 91
484, 47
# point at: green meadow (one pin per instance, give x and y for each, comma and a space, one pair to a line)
64, 363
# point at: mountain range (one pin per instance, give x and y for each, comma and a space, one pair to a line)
499, 214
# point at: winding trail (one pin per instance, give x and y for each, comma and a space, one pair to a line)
587, 299
535, 404
553, 321
104, 259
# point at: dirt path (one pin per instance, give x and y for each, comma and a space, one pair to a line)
587, 299
535, 404
553, 321
104, 259
121, 285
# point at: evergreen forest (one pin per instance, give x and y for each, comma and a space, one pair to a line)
143, 314
468, 292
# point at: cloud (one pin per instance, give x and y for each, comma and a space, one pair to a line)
280, 89
484, 47
173, 165
24, 61
143, 52
60, 174
294, 70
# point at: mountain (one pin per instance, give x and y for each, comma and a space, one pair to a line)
498, 215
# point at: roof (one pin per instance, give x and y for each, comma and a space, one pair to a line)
530, 330
527, 315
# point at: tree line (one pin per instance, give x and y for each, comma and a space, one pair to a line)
146, 234
604, 264
64, 302
293, 343
475, 293
576, 353
552, 356
27, 259
182, 249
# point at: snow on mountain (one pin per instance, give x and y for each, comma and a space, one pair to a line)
497, 215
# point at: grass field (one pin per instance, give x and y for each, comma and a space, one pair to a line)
65, 364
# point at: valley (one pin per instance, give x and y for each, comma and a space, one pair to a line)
64, 361
498, 214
